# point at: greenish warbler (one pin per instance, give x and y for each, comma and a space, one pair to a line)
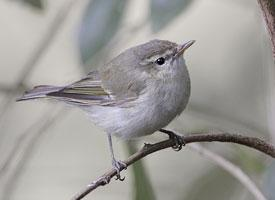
137, 93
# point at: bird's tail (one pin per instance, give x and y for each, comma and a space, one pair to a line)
40, 91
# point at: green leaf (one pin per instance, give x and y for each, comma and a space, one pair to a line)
164, 11
99, 24
142, 185
38, 4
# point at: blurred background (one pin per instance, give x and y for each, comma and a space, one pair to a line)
51, 151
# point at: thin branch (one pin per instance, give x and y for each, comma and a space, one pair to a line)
268, 10
231, 168
252, 142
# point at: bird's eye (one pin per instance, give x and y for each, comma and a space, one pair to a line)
160, 61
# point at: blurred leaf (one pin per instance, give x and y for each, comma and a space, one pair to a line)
269, 182
249, 161
38, 4
214, 184
164, 11
142, 185
99, 24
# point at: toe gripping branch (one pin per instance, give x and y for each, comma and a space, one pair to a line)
179, 141
118, 166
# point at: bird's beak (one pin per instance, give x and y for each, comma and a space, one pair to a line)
183, 47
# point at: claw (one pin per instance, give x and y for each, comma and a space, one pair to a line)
119, 165
179, 141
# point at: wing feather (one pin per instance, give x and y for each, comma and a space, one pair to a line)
87, 91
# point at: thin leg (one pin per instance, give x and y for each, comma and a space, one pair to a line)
118, 165
179, 142
111, 146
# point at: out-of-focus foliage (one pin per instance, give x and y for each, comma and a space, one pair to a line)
164, 11
209, 187
143, 189
249, 161
99, 24
38, 4
269, 181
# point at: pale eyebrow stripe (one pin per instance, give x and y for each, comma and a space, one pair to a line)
165, 54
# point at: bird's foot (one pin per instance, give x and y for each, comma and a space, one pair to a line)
179, 141
119, 165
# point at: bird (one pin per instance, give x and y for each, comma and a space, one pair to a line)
137, 93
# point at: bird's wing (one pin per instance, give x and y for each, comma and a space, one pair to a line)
88, 91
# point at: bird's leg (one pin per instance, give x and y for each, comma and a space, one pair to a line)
179, 141
118, 165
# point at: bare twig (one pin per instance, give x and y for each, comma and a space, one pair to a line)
252, 142
231, 168
268, 9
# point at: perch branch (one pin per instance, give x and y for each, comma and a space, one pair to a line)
268, 10
252, 142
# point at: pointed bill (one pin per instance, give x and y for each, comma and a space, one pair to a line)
183, 47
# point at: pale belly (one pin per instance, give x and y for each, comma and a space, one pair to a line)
149, 114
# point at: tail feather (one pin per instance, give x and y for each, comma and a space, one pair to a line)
40, 91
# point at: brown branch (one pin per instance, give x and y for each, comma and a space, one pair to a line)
252, 142
268, 9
